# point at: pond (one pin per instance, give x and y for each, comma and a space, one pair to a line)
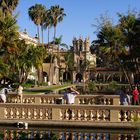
33, 133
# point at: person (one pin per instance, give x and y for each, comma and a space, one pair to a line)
20, 92
135, 96
3, 95
70, 95
124, 96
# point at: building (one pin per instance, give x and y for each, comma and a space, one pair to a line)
83, 63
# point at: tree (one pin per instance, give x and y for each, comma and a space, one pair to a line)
36, 14
8, 42
56, 16
8, 6
112, 44
47, 22
26, 57
130, 27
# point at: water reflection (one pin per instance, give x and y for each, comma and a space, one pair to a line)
11, 133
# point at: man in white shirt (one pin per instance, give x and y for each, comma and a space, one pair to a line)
70, 95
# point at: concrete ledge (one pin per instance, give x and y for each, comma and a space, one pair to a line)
70, 124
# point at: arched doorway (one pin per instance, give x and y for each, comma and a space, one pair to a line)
45, 77
66, 76
79, 77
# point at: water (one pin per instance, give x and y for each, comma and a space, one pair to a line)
12, 133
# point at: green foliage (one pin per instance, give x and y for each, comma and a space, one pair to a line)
91, 86
113, 85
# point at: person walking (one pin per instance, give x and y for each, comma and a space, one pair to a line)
20, 92
135, 96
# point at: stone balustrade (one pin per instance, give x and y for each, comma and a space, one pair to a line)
64, 134
54, 99
69, 113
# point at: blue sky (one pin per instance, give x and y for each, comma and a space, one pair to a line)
80, 15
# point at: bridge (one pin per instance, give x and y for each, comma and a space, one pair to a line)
98, 111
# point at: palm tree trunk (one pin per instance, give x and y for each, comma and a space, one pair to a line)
38, 34
126, 75
42, 36
48, 34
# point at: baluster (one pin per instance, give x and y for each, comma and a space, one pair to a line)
5, 135
85, 115
46, 114
82, 101
67, 114
91, 115
104, 115
78, 135
132, 116
62, 114
91, 136
104, 101
40, 114
5, 113
98, 136
11, 135
97, 115
84, 136
125, 116
132, 136
104, 136
17, 113
73, 114
120, 115
23, 113
35, 113
109, 101
29, 113
78, 114
11, 113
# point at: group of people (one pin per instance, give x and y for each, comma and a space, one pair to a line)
4, 92
127, 97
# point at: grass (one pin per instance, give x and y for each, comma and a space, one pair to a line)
43, 89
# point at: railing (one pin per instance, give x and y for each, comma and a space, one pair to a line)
75, 113
55, 98
60, 134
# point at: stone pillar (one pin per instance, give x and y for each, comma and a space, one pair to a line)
37, 100
56, 114
2, 114
114, 115
116, 101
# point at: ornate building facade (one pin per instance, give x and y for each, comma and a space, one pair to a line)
83, 63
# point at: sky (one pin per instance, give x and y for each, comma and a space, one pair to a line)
80, 16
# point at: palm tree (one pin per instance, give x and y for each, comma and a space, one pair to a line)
57, 15
47, 23
36, 14
8, 6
